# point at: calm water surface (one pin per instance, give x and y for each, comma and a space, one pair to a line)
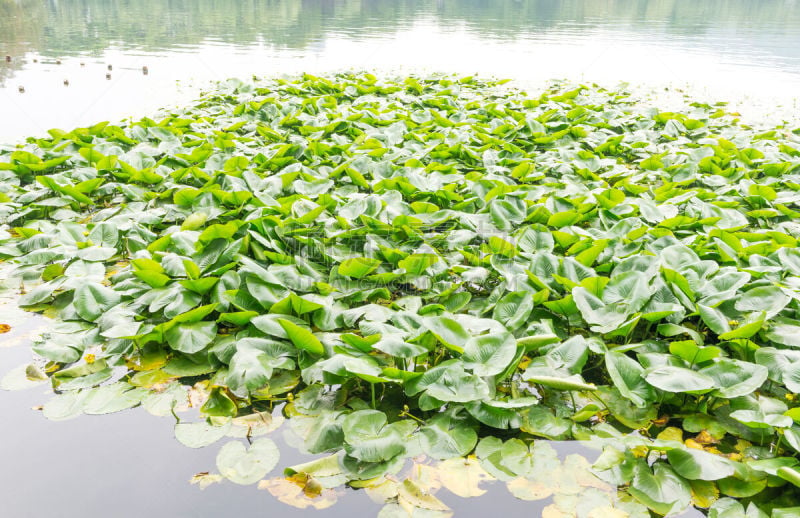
128, 464
746, 51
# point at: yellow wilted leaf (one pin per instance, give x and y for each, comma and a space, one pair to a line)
691, 443
577, 468
463, 476
410, 497
705, 438
205, 479
704, 493
381, 490
425, 476
526, 489
552, 511
311, 488
671, 434
607, 512
640, 451
294, 491
4, 328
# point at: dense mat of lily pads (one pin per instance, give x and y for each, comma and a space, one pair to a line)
431, 266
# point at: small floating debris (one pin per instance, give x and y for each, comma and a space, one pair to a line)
21, 89
35, 60
110, 67
4, 328
58, 62
66, 82
108, 76
83, 64
8, 59
145, 70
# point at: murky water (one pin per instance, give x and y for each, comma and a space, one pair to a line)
746, 51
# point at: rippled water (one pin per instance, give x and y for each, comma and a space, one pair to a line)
747, 51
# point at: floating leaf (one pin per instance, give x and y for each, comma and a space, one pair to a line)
661, 489
191, 338
488, 355
245, 465
200, 434
463, 477
23, 377
679, 379
370, 438
700, 465
294, 493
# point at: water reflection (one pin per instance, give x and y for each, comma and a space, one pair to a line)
123, 450
108, 455
124, 465
725, 49
135, 456
77, 27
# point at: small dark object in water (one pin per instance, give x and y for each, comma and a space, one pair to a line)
83, 64
21, 89
58, 62
8, 59
108, 76
145, 70
66, 82
110, 67
35, 60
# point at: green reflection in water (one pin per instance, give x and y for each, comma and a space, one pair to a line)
70, 27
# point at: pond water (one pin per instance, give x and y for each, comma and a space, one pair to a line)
745, 51
129, 464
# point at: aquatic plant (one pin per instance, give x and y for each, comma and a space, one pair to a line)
434, 266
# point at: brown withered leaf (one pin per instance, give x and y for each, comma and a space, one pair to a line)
205, 479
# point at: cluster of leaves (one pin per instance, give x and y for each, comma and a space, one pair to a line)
433, 260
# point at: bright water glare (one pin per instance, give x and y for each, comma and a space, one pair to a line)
744, 51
